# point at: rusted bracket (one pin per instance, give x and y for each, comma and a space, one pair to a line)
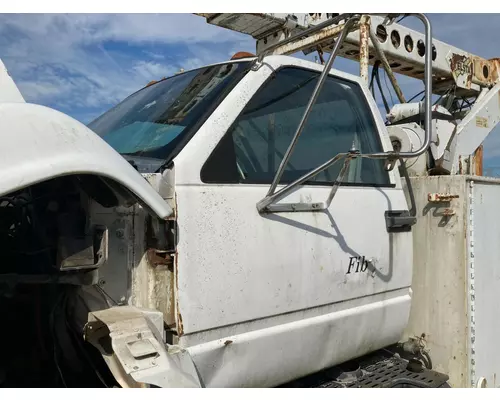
158, 258
441, 197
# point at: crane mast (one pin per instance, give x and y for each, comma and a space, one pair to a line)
404, 48
468, 86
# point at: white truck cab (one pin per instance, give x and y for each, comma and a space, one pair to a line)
280, 295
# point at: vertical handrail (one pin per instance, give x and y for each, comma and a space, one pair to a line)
428, 88
312, 100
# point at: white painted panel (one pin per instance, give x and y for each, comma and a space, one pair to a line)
239, 265
439, 284
486, 269
287, 351
280, 284
40, 143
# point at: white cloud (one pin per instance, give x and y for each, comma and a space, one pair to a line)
65, 60
153, 70
154, 56
165, 28
134, 28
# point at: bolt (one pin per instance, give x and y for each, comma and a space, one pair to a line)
136, 367
102, 282
120, 233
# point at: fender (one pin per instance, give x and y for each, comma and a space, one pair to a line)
39, 144
9, 92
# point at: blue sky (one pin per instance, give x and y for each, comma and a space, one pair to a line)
84, 64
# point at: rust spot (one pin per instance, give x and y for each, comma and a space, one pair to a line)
457, 61
441, 197
364, 49
495, 73
242, 54
472, 69
153, 82
180, 326
478, 161
319, 38
448, 212
461, 68
228, 342
485, 71
156, 258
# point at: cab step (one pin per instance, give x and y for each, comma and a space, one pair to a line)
381, 369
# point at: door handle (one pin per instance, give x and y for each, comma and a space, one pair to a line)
399, 220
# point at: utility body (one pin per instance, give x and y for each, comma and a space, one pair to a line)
256, 222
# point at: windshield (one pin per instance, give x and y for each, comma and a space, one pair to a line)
151, 123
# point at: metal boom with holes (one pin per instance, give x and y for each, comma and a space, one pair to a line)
403, 48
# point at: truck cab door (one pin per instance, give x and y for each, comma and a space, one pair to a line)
319, 287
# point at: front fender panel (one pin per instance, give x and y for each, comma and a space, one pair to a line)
39, 143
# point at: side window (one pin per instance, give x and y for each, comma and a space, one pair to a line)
252, 150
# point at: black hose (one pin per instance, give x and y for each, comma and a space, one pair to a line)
370, 86
414, 97
375, 76
426, 358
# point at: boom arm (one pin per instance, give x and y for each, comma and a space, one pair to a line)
465, 80
403, 47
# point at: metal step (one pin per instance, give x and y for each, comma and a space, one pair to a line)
378, 370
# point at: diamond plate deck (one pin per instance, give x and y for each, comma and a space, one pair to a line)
380, 370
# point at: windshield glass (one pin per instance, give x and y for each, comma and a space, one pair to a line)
153, 121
